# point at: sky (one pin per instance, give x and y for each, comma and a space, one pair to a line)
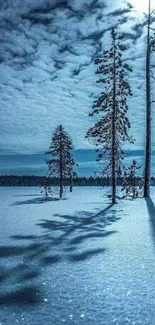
47, 52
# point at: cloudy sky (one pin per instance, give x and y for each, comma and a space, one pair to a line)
47, 74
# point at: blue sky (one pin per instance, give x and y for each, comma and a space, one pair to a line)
47, 49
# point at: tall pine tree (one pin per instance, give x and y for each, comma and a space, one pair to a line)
61, 164
112, 128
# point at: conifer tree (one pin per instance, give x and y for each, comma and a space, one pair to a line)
112, 128
71, 171
132, 185
46, 189
61, 164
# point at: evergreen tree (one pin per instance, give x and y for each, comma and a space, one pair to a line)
132, 186
71, 172
112, 128
61, 163
46, 189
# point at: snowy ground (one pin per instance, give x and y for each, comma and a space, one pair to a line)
76, 261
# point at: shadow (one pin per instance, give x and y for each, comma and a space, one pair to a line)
151, 211
70, 238
26, 195
25, 296
37, 200
50, 260
29, 275
79, 239
85, 255
70, 233
24, 237
7, 251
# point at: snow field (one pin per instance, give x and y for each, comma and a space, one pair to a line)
77, 260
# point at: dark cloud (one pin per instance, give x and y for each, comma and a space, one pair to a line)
77, 71
119, 12
139, 29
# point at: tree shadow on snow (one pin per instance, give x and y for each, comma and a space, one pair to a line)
38, 200
70, 238
151, 211
20, 195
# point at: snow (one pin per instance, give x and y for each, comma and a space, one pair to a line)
78, 260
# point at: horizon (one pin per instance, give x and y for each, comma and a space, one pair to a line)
35, 163
11, 153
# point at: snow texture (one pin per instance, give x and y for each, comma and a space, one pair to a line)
76, 261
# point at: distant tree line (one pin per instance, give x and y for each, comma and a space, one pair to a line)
27, 180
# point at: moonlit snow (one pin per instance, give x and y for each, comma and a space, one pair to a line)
78, 260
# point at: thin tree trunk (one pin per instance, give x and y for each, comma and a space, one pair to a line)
148, 114
134, 184
114, 130
71, 184
61, 172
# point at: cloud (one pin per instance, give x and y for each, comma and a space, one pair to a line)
48, 77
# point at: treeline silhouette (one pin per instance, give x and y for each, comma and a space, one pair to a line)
30, 180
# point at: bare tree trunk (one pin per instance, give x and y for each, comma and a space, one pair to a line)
71, 184
114, 129
46, 193
61, 172
148, 114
